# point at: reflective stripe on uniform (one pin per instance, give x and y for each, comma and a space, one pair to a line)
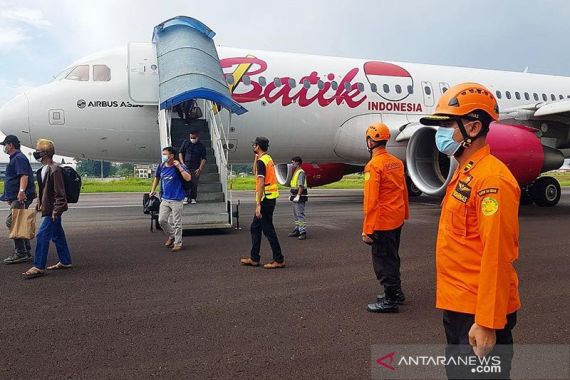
271, 186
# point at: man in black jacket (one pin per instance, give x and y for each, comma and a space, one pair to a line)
193, 155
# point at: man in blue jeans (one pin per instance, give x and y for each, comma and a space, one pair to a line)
52, 203
19, 192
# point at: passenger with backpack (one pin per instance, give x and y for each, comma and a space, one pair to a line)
52, 203
171, 174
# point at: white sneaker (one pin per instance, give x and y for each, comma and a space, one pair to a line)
193, 201
185, 202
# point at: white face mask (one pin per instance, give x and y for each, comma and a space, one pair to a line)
164, 158
193, 141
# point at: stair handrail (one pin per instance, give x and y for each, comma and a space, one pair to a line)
219, 144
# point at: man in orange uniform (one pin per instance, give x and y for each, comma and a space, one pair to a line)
478, 236
385, 208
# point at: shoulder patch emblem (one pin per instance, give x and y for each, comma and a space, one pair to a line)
489, 206
366, 176
490, 190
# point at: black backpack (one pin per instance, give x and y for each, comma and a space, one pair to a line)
151, 205
72, 181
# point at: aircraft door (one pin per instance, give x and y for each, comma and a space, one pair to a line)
143, 73
427, 90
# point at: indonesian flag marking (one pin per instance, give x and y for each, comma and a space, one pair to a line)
384, 73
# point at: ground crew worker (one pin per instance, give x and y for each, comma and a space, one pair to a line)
299, 197
477, 240
266, 194
385, 208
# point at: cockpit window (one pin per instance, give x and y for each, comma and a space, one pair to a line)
64, 73
101, 73
80, 73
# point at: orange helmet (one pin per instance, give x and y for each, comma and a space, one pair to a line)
463, 100
378, 132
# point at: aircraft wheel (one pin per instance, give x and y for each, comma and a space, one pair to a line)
413, 191
545, 191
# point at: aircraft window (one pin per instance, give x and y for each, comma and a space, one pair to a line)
518, 95
262, 81
292, 83
535, 95
347, 86
410, 89
277, 82
561, 97
373, 87
320, 84
64, 73
544, 97
101, 73
443, 89
427, 90
246, 80
508, 94
334, 85
552, 97
386, 88
526, 96
230, 78
80, 73
498, 93
306, 84
360, 87
398, 89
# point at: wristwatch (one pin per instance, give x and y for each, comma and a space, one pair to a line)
22, 190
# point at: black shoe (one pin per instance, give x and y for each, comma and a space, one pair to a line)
18, 258
303, 236
383, 307
399, 298
294, 233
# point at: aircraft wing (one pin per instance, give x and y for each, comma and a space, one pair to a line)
559, 109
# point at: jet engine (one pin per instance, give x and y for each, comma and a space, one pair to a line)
517, 146
317, 174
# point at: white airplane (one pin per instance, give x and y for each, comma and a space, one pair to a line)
104, 107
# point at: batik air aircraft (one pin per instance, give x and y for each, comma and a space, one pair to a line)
316, 107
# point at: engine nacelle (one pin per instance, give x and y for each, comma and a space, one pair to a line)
516, 145
317, 174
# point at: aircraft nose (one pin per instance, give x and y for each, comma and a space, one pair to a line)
14, 117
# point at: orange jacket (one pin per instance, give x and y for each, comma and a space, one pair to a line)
385, 193
478, 241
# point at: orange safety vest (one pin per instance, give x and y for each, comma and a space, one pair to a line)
478, 242
271, 184
385, 193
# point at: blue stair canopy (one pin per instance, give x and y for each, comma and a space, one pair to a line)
189, 66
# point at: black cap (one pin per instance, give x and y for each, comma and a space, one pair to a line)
263, 142
10, 139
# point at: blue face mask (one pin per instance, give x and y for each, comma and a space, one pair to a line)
445, 142
164, 158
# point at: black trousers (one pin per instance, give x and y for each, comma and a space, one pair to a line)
457, 326
386, 260
192, 192
265, 225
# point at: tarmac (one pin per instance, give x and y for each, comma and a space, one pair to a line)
132, 309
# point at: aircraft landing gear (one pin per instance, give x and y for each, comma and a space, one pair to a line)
413, 191
545, 191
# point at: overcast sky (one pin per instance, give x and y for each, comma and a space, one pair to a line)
38, 38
